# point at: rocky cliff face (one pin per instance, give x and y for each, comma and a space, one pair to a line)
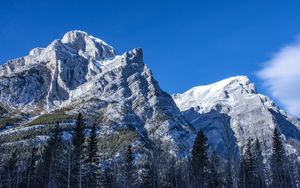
80, 73
231, 110
46, 77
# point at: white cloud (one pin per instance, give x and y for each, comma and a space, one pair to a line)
281, 75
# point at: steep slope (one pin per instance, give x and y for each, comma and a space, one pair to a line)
46, 76
81, 73
231, 110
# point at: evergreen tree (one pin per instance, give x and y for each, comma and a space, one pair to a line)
199, 160
61, 165
47, 168
92, 158
147, 175
251, 172
107, 179
242, 173
249, 164
78, 144
259, 167
32, 168
280, 176
11, 170
129, 168
169, 177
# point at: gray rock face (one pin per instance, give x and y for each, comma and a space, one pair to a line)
230, 111
47, 75
82, 73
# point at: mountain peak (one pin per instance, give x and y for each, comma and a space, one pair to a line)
236, 82
95, 47
239, 78
224, 90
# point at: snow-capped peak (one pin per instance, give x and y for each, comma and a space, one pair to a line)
75, 35
236, 81
94, 47
234, 105
224, 90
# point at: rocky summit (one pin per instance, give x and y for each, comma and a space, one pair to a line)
231, 111
80, 73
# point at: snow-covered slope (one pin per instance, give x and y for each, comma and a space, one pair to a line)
80, 73
231, 110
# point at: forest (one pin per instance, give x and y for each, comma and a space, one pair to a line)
78, 162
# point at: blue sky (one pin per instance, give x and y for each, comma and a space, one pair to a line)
185, 43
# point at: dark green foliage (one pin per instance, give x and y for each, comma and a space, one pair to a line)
107, 179
251, 172
52, 117
76, 162
259, 167
129, 168
116, 141
10, 175
147, 175
32, 169
48, 166
169, 179
242, 172
92, 160
280, 175
78, 147
249, 164
199, 160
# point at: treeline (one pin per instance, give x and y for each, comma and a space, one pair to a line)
75, 162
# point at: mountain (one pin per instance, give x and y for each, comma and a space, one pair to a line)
80, 73
230, 111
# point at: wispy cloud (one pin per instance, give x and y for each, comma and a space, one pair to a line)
281, 76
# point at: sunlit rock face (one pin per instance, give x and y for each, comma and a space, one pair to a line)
80, 73
230, 111
47, 75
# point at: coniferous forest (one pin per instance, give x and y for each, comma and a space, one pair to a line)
77, 162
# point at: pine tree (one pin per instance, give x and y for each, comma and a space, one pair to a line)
47, 168
147, 175
92, 158
251, 172
199, 160
32, 169
11, 169
280, 176
78, 144
259, 167
249, 164
169, 177
129, 168
107, 179
242, 173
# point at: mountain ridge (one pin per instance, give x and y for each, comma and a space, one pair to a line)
118, 91
80, 73
248, 113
